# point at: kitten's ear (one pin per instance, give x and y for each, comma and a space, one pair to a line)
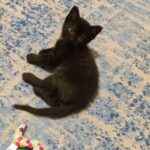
95, 30
73, 14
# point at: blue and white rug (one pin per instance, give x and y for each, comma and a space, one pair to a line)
120, 117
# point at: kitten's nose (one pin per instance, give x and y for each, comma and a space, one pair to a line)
71, 38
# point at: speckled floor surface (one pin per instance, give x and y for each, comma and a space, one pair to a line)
120, 117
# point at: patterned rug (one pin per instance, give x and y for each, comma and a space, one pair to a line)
119, 119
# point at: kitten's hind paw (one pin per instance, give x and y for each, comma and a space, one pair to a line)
28, 77
32, 79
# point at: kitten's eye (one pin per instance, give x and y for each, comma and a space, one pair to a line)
70, 30
81, 38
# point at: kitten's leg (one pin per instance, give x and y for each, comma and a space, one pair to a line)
45, 51
45, 59
44, 56
47, 96
49, 93
32, 79
35, 58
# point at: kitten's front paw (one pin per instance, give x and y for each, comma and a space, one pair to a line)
31, 58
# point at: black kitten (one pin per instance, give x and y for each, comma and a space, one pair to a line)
74, 82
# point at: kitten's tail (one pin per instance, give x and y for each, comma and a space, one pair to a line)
54, 112
57, 112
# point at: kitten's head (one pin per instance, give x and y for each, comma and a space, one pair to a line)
77, 30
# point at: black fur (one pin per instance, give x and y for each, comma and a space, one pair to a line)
74, 82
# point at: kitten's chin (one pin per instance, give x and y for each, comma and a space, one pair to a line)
72, 42
80, 43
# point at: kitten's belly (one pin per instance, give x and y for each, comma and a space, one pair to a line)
78, 75
75, 82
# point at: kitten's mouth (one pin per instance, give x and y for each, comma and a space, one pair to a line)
67, 38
